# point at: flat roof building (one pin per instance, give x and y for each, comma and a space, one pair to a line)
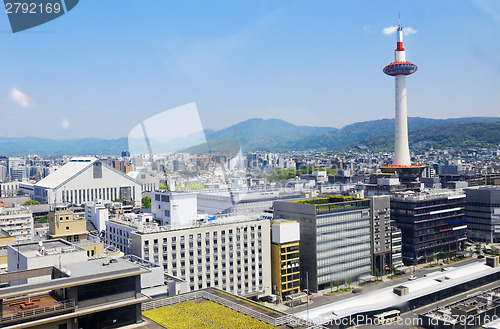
230, 253
87, 295
431, 223
482, 211
335, 237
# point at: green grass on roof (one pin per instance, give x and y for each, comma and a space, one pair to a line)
328, 199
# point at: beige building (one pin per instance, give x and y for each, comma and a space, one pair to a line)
64, 225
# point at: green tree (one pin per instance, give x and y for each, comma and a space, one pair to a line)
30, 202
337, 285
478, 248
349, 282
377, 273
146, 202
164, 187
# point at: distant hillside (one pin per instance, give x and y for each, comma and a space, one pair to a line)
465, 135
265, 135
10, 146
274, 134
358, 132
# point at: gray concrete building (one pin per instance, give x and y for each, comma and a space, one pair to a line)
335, 237
482, 211
381, 234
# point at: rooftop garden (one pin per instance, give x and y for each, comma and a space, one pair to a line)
328, 199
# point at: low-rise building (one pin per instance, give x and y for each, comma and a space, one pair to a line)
18, 222
82, 294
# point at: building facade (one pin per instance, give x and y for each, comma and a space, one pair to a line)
381, 234
285, 260
82, 180
335, 238
18, 222
483, 213
431, 223
229, 254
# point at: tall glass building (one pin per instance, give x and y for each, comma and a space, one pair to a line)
335, 238
432, 223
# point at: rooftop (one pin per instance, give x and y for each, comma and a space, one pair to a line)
328, 199
76, 274
52, 247
70, 169
385, 298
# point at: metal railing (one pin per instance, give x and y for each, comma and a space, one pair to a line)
57, 306
274, 321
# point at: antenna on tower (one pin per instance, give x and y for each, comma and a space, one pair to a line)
399, 20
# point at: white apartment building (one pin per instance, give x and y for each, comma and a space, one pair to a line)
232, 254
82, 180
118, 230
97, 214
176, 209
18, 222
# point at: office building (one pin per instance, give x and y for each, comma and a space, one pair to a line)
118, 229
381, 234
17, 221
482, 211
335, 237
285, 260
82, 180
431, 223
231, 254
85, 294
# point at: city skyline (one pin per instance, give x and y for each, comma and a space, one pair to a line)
106, 66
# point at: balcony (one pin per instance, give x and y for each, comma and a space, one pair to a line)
20, 309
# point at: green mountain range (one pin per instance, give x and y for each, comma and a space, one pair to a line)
279, 135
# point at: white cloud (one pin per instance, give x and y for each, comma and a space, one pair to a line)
389, 30
20, 98
409, 30
366, 27
392, 29
65, 124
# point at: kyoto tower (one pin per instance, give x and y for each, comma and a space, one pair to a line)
399, 69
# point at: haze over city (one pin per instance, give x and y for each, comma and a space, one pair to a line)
108, 65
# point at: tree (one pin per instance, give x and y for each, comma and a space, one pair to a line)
478, 248
337, 285
30, 202
164, 187
349, 282
146, 202
377, 273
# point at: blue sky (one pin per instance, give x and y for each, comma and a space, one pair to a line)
107, 65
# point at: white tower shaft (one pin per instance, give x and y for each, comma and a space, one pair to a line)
401, 148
